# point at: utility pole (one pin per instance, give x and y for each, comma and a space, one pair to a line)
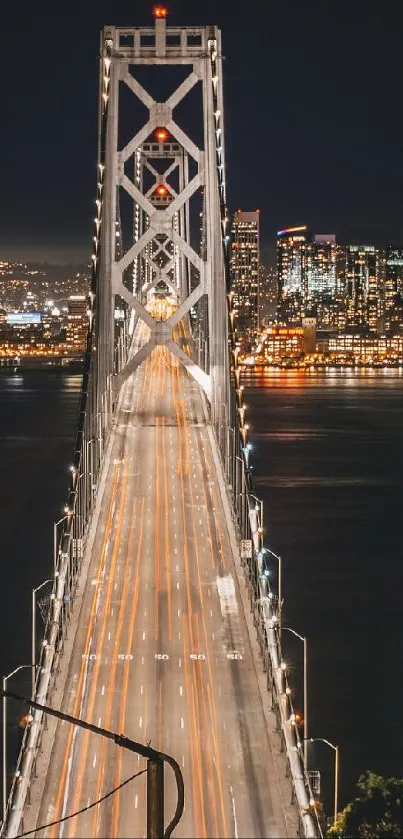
155, 768
155, 799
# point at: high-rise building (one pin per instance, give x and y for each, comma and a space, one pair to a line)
393, 286
77, 323
321, 259
292, 249
363, 287
321, 265
245, 271
268, 294
292, 260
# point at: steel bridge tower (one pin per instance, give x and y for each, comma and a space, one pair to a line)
162, 175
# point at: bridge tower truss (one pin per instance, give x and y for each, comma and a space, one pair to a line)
158, 171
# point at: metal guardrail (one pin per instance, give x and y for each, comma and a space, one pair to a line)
266, 609
267, 620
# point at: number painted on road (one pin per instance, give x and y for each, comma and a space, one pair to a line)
161, 656
197, 656
91, 657
235, 656
125, 657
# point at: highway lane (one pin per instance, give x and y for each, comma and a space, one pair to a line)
162, 652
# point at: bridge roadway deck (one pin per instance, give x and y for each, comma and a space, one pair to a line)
160, 621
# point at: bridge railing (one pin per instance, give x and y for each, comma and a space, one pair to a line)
68, 561
266, 609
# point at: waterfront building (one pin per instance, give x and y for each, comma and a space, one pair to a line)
278, 342
363, 348
244, 264
77, 323
282, 341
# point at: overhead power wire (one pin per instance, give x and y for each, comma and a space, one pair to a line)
83, 809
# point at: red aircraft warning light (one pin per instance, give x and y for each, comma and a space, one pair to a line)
160, 11
161, 135
162, 190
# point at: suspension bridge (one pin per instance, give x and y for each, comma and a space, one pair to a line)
162, 624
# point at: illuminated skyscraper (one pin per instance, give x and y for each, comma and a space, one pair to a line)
363, 287
321, 257
393, 286
321, 264
245, 271
292, 260
292, 250
77, 323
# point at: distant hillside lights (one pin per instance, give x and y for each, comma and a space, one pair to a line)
48, 332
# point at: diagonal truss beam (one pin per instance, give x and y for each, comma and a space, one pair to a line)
137, 196
135, 304
134, 363
184, 196
135, 250
202, 378
136, 87
182, 90
188, 251
183, 139
187, 304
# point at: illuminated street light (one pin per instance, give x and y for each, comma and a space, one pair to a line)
336, 771
259, 505
55, 535
5, 680
267, 550
33, 633
304, 641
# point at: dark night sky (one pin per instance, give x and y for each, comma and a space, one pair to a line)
313, 117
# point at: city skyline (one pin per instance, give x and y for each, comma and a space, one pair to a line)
324, 157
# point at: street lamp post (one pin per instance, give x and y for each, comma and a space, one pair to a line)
242, 480
55, 539
336, 772
305, 666
267, 550
5, 680
232, 467
246, 450
99, 431
33, 633
259, 502
89, 462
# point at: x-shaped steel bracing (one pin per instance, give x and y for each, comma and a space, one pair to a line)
161, 221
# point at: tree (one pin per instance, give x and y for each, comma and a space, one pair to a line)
377, 811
